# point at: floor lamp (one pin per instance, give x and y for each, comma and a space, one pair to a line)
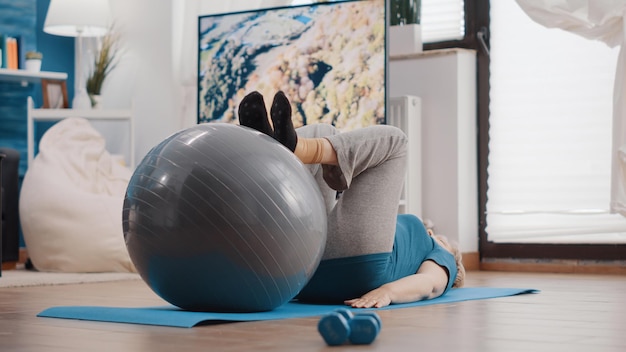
79, 19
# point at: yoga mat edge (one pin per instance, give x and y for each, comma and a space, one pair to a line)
175, 317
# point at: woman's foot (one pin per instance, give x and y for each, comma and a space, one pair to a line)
252, 113
281, 119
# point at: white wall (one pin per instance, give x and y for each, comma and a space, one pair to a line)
143, 78
157, 73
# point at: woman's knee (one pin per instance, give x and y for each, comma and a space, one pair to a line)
398, 140
395, 132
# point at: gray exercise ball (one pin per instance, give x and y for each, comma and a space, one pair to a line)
220, 217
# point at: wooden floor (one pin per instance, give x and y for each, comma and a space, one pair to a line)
573, 312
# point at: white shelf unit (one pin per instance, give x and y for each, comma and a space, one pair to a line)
34, 115
24, 77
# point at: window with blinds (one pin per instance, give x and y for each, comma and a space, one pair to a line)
442, 20
550, 134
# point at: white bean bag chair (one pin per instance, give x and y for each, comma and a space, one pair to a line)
71, 203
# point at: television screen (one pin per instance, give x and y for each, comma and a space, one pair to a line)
329, 59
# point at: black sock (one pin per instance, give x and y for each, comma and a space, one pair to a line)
252, 113
281, 118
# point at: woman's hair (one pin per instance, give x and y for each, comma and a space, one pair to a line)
459, 281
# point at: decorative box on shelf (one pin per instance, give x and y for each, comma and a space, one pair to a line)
405, 39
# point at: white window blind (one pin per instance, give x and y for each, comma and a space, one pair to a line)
550, 134
441, 20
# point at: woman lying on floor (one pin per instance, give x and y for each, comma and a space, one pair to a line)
373, 256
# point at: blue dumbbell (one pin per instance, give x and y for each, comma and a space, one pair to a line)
342, 325
364, 328
334, 328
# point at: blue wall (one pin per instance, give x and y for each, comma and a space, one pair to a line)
58, 51
26, 18
16, 18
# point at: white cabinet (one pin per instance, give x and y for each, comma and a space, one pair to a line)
122, 115
445, 81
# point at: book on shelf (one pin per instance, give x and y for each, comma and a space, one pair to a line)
4, 50
11, 52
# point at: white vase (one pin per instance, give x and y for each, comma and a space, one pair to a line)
96, 101
32, 65
405, 39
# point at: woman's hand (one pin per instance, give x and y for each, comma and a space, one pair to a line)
429, 282
377, 298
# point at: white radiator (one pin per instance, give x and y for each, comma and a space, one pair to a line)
405, 113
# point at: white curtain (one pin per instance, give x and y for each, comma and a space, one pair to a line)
550, 134
598, 20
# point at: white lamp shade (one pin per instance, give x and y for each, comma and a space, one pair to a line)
73, 18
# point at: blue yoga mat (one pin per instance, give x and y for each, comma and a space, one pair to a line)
175, 317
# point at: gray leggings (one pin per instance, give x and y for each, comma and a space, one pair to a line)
370, 174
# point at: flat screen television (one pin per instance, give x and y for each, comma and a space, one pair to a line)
329, 59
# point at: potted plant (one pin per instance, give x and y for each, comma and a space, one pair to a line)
405, 12
405, 33
32, 61
105, 60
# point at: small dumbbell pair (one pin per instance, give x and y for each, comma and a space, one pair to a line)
342, 325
